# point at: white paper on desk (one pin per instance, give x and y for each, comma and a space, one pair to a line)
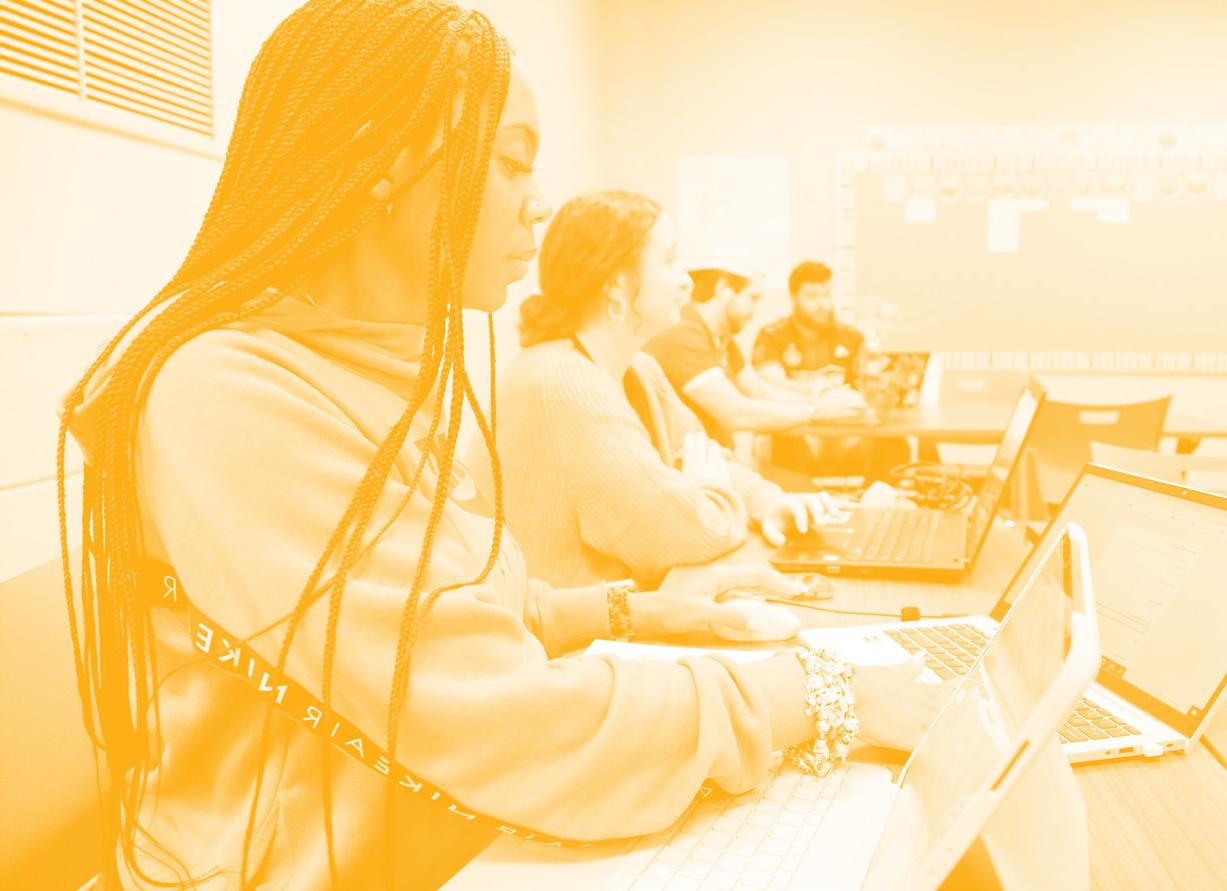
642, 652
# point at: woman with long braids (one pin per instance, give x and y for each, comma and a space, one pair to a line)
308, 659
628, 483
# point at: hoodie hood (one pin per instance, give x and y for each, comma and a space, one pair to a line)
387, 352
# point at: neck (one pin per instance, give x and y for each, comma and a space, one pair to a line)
715, 318
610, 348
358, 283
812, 324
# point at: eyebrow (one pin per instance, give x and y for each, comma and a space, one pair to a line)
528, 132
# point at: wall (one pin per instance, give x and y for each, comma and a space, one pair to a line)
807, 77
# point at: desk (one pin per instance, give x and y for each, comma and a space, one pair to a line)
1152, 824
982, 423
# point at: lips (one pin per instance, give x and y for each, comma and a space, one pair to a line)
526, 256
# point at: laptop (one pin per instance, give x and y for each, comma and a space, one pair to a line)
861, 826
1159, 554
916, 543
905, 371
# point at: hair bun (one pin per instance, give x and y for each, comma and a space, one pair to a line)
542, 319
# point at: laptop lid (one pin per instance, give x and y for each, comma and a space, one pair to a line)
1028, 677
1159, 553
1005, 461
906, 370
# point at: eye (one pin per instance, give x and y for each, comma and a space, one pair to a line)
512, 167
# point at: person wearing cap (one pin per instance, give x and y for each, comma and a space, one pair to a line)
702, 360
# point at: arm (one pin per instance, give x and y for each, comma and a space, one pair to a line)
629, 503
719, 397
759, 384
243, 483
772, 373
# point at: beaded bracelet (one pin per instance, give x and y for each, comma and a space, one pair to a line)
618, 600
829, 700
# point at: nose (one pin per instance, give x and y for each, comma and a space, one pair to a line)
536, 210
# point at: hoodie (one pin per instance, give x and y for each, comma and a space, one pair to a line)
250, 445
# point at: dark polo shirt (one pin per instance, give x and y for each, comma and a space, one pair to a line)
802, 349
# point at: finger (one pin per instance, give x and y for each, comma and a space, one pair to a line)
800, 516
760, 577
817, 509
773, 528
722, 614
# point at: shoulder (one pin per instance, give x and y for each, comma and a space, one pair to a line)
848, 335
555, 373
240, 386
780, 329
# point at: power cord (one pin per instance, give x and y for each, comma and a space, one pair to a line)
908, 614
933, 485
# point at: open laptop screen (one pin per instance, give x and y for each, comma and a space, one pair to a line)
963, 752
1012, 442
1159, 555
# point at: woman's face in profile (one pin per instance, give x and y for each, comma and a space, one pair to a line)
664, 285
512, 203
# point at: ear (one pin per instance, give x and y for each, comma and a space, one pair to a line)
618, 286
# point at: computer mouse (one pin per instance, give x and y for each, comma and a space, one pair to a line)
775, 622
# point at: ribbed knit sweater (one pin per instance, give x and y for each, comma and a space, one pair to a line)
593, 492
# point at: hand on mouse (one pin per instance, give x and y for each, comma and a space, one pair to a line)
894, 706
688, 598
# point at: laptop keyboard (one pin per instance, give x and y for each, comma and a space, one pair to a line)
1089, 721
950, 651
898, 536
753, 840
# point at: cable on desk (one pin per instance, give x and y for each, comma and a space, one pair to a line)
857, 612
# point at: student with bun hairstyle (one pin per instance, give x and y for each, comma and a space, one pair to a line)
606, 472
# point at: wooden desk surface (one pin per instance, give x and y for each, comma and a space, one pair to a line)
982, 423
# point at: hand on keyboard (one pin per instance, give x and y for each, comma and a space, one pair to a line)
894, 706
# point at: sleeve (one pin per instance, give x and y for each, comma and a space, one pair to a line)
768, 346
244, 469
757, 492
684, 353
853, 341
631, 505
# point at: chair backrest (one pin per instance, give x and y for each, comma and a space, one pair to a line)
50, 828
1061, 438
1203, 471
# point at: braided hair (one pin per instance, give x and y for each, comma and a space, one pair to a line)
334, 96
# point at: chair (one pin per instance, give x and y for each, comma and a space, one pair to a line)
1202, 471
1061, 437
50, 826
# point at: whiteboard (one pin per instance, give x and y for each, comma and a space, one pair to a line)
1039, 252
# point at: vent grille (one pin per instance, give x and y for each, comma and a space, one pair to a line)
152, 58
